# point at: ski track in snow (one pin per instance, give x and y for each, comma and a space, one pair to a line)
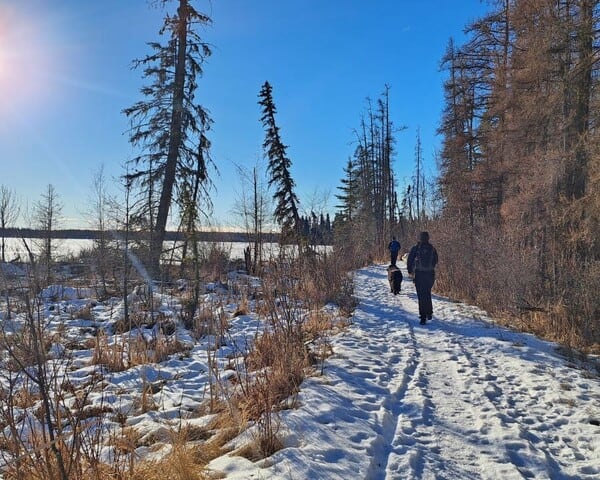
458, 398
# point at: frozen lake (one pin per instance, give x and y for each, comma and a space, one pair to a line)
66, 248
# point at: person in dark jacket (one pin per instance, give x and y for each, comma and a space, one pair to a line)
421, 263
394, 248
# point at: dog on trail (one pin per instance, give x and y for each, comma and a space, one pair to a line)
395, 279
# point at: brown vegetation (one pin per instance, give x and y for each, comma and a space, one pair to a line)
65, 440
520, 226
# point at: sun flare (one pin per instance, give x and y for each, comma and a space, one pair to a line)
25, 61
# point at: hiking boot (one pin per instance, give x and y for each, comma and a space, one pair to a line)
429, 316
422, 322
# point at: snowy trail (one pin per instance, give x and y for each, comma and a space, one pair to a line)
465, 402
457, 398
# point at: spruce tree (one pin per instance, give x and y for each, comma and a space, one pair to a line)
169, 125
286, 202
349, 195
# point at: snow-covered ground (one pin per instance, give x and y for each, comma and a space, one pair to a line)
458, 398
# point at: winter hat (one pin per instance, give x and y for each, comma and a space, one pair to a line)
424, 237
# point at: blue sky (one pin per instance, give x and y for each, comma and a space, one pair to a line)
65, 77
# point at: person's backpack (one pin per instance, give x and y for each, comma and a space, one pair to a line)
424, 258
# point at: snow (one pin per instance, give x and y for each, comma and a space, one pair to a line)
458, 398
61, 292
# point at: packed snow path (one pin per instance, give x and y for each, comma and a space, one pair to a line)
458, 398
468, 401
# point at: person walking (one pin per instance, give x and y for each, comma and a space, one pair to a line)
421, 264
394, 248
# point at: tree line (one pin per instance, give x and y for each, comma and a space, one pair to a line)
519, 165
515, 207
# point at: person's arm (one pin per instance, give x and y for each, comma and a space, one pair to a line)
435, 258
411, 260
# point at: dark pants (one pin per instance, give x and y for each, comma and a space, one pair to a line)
393, 257
424, 283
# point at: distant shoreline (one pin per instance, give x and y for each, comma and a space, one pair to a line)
87, 234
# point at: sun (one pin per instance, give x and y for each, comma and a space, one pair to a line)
25, 61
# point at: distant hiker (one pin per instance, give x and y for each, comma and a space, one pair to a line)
421, 263
394, 248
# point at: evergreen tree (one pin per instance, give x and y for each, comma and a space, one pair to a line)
169, 125
350, 196
286, 202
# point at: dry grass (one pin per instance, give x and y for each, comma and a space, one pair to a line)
127, 441
243, 308
279, 361
126, 352
24, 346
296, 338
266, 381
25, 397
84, 313
145, 402
194, 433
210, 319
183, 463
318, 323
225, 427
112, 356
158, 350
38, 462
260, 448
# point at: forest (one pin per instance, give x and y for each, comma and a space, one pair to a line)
514, 211
519, 167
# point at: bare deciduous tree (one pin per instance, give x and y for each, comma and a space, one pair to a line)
253, 207
100, 219
47, 216
9, 213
